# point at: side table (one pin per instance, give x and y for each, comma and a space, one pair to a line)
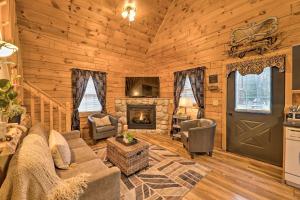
8, 148
175, 133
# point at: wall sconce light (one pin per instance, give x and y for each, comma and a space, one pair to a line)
129, 12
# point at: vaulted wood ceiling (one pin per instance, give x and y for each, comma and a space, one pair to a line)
95, 22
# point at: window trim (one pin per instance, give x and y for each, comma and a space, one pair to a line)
255, 111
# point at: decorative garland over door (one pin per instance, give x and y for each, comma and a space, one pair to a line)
257, 66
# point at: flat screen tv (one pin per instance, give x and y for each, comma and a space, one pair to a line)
142, 87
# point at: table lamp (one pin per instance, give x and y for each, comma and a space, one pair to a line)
185, 102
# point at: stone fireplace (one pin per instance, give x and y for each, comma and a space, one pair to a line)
146, 115
141, 116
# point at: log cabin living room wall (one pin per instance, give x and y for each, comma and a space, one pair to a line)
196, 34
60, 35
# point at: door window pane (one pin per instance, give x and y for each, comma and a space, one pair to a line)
253, 92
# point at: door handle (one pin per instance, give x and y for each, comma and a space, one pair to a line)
230, 114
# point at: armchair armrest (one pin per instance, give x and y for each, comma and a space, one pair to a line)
92, 125
109, 180
71, 135
113, 120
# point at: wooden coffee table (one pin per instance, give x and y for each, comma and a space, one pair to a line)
129, 159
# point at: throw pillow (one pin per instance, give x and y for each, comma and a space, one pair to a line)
104, 121
60, 150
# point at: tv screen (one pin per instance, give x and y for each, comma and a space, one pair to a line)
142, 87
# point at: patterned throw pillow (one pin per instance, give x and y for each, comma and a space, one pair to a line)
104, 121
60, 150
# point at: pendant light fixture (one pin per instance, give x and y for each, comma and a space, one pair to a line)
129, 11
7, 49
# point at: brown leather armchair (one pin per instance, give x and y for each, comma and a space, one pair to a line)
198, 135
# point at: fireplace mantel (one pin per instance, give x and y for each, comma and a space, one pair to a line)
163, 112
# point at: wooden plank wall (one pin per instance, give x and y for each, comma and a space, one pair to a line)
59, 35
194, 33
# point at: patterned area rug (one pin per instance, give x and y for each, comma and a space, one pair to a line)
168, 176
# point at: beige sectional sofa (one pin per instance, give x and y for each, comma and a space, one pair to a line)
103, 182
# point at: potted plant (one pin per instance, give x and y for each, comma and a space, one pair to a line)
14, 113
128, 137
9, 105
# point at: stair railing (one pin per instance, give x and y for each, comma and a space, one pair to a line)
64, 110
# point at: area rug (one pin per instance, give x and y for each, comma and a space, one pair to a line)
168, 176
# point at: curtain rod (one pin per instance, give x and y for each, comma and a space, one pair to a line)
202, 67
88, 70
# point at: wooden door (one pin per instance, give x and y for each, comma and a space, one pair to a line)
254, 119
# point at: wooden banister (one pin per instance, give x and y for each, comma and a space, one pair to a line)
37, 95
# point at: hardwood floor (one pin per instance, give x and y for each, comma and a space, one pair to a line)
232, 176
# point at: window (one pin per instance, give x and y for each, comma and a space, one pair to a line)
90, 100
187, 91
253, 92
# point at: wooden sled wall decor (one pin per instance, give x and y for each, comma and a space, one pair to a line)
257, 37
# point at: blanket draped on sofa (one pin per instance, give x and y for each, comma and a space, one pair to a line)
32, 175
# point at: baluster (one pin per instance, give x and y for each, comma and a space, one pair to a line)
32, 110
51, 115
42, 110
59, 119
68, 117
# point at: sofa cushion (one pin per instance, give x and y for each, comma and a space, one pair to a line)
38, 129
90, 167
75, 143
60, 150
105, 128
82, 154
104, 121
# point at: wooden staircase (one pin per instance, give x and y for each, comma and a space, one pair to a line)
44, 109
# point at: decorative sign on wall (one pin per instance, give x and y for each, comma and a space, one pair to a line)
213, 78
257, 37
213, 82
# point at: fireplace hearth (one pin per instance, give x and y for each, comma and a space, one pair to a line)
141, 116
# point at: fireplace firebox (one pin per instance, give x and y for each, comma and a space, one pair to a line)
141, 116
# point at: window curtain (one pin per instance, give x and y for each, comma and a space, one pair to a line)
196, 77
179, 81
99, 80
79, 82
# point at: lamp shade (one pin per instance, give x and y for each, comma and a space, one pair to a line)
185, 102
7, 49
